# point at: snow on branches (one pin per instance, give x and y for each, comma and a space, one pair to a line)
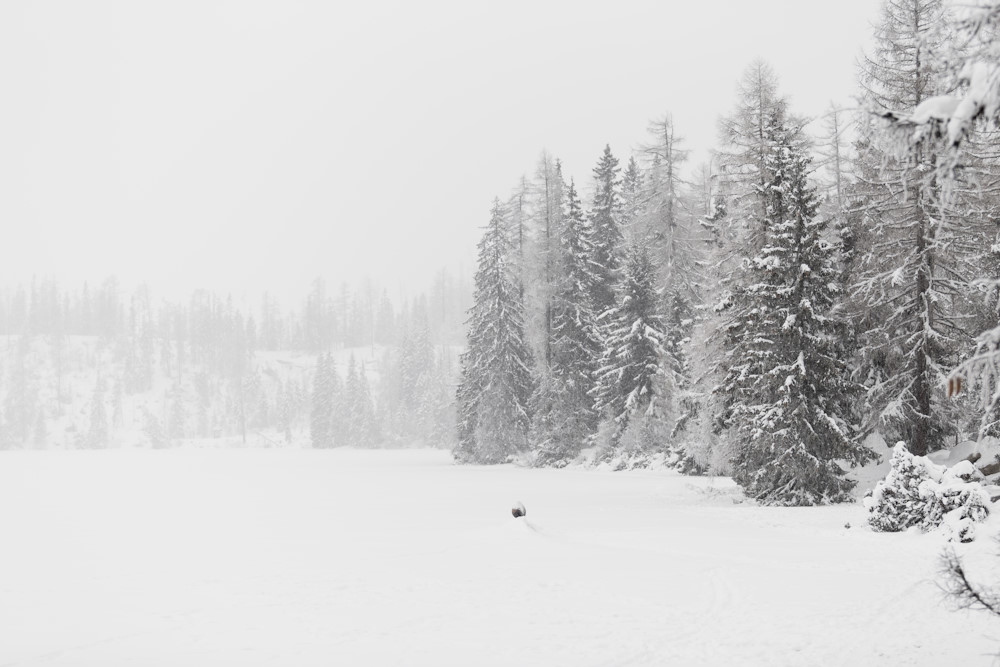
916, 492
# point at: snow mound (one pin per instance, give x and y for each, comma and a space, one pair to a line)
867, 476
518, 510
981, 453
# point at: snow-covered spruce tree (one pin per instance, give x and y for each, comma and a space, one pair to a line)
439, 404
177, 418
339, 408
912, 272
606, 233
410, 381
496, 381
355, 404
286, 410
732, 224
320, 427
97, 435
21, 402
632, 388
416, 358
467, 396
632, 198
787, 389
564, 415
363, 412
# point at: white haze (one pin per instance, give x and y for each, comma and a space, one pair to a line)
246, 145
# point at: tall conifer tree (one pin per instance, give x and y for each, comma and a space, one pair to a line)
320, 423
565, 418
787, 387
496, 381
911, 272
631, 382
606, 233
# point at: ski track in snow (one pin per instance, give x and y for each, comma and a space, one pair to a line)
275, 557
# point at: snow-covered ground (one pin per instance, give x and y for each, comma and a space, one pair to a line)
338, 557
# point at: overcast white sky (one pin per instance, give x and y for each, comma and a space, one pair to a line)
244, 145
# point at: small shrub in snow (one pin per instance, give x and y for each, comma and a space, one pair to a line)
962, 508
916, 492
896, 502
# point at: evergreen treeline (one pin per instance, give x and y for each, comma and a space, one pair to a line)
325, 319
813, 284
96, 368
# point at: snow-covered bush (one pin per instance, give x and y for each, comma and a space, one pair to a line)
917, 492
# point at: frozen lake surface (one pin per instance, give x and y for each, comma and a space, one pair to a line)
340, 557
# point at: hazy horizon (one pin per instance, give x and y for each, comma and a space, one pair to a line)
252, 146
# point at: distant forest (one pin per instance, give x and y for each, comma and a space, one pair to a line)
95, 366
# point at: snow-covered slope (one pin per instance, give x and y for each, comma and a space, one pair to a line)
48, 389
341, 557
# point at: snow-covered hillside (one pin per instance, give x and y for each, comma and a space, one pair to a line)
346, 557
74, 392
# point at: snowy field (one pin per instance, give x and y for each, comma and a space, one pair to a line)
297, 558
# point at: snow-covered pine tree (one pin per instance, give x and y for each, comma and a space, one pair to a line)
177, 418
565, 418
286, 409
405, 382
21, 402
367, 427
632, 198
787, 388
606, 232
416, 358
117, 407
631, 383
322, 404
467, 396
385, 321
339, 408
41, 434
440, 405
731, 225
354, 417
911, 273
496, 381
97, 436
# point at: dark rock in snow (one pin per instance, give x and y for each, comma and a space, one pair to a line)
518, 510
